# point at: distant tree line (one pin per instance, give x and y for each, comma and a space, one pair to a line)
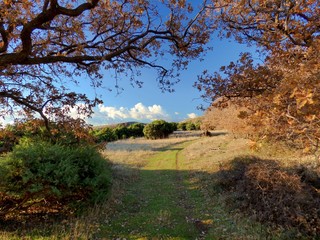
109, 134
157, 129
189, 125
10, 135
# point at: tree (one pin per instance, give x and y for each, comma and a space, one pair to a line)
45, 44
136, 130
281, 94
105, 134
182, 126
157, 129
174, 126
280, 24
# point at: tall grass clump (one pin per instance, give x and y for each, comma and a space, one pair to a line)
40, 175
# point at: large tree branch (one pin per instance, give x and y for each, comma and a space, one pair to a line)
130, 43
45, 17
79, 10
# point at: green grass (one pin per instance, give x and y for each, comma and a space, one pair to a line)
169, 202
152, 208
166, 191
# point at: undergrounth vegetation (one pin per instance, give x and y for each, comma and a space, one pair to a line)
214, 188
195, 188
43, 184
287, 198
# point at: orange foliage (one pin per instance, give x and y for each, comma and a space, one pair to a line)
282, 94
44, 44
229, 118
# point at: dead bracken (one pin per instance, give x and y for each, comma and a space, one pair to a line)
273, 195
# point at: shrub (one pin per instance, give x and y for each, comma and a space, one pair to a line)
105, 135
157, 129
121, 132
75, 132
197, 125
271, 194
174, 126
190, 126
36, 171
182, 126
136, 130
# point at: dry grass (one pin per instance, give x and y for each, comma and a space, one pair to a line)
144, 144
135, 152
81, 228
260, 189
207, 154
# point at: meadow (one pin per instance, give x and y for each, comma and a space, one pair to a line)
185, 188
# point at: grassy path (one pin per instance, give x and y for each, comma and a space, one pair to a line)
164, 189
173, 194
160, 205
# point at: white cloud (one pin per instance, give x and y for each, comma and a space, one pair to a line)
137, 112
114, 113
176, 113
192, 115
6, 121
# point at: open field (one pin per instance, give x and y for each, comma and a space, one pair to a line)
169, 189
167, 199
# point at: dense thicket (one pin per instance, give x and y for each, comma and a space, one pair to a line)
109, 134
158, 129
69, 133
189, 125
39, 174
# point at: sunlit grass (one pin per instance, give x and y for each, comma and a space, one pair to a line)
164, 189
173, 196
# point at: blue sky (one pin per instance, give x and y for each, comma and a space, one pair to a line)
149, 102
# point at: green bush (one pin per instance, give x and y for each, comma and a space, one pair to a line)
121, 132
136, 130
105, 135
157, 129
182, 126
55, 173
75, 133
174, 126
109, 134
190, 126
197, 125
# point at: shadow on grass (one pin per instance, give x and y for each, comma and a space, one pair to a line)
169, 203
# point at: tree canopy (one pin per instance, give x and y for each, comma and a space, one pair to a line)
45, 44
281, 93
